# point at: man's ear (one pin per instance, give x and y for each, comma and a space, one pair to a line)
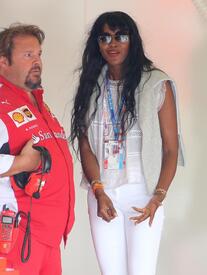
3, 62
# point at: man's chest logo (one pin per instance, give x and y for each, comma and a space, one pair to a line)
22, 115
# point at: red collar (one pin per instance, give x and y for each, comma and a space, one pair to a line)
21, 92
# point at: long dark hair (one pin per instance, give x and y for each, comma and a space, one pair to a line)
93, 62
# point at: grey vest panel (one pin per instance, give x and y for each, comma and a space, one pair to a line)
149, 124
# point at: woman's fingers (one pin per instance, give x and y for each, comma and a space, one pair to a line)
103, 213
107, 214
112, 211
145, 214
151, 218
141, 210
106, 209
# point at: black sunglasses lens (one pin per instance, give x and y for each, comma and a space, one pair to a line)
104, 39
122, 38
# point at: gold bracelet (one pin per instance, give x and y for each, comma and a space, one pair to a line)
161, 191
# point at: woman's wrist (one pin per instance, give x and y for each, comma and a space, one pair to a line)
97, 186
156, 200
160, 192
99, 193
158, 196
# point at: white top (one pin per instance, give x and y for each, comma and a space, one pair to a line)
6, 192
113, 178
147, 108
6, 161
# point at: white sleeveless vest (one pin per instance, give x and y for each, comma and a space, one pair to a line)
149, 123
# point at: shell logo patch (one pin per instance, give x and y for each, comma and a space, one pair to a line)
22, 115
18, 117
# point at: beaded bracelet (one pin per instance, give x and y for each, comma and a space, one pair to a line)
96, 184
95, 181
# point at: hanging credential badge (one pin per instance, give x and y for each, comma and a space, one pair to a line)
113, 148
113, 155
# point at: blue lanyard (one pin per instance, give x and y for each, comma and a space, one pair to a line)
114, 118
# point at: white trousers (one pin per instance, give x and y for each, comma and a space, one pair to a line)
121, 247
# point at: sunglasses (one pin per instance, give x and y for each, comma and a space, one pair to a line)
107, 38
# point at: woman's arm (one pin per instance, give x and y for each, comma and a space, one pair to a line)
92, 172
88, 160
169, 134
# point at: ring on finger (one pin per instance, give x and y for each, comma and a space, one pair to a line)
147, 211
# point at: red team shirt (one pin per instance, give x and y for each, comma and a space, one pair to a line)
52, 215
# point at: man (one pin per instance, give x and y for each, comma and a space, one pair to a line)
23, 117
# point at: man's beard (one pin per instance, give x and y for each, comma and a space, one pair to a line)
33, 84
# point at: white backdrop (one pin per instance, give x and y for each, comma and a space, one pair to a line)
175, 38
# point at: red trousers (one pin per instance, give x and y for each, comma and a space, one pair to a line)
44, 260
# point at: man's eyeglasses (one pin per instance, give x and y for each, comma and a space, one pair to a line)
107, 38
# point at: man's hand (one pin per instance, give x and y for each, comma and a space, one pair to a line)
27, 161
105, 208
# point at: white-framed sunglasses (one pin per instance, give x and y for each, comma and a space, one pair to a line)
106, 38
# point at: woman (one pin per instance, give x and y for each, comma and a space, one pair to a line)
125, 119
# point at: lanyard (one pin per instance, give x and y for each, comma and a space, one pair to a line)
113, 116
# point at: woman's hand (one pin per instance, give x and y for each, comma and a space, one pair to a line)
105, 208
148, 211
